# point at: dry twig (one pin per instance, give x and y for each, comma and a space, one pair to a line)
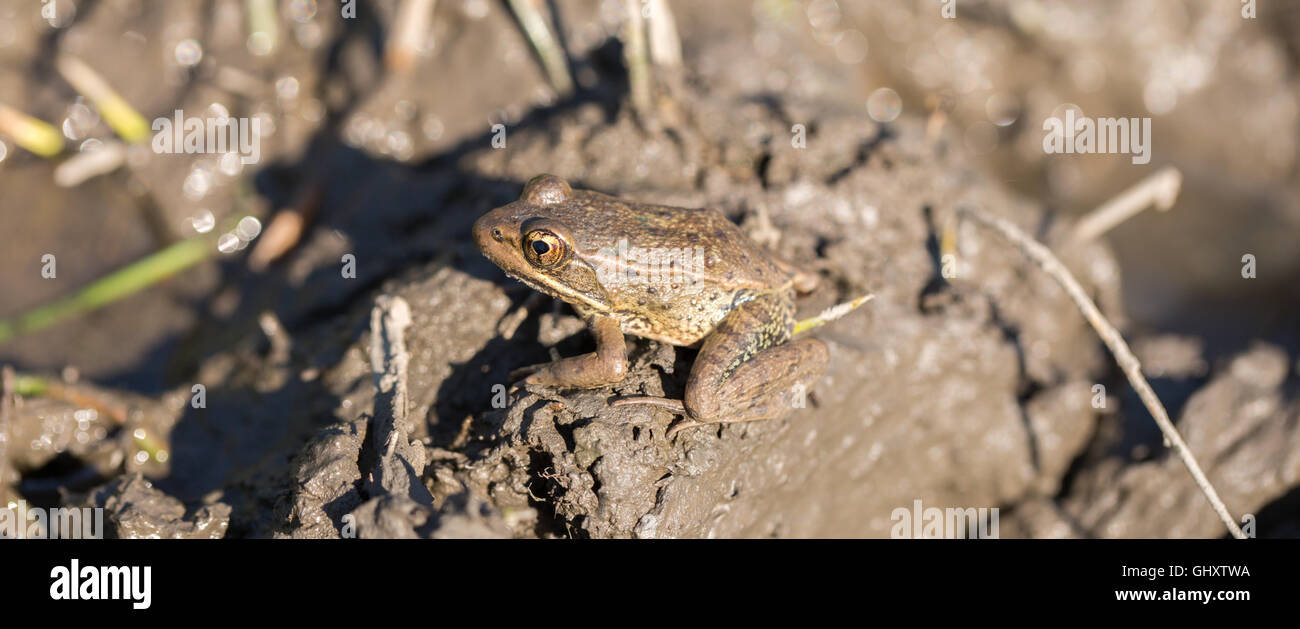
119, 114
665, 44
1128, 362
1160, 190
33, 134
547, 47
410, 27
635, 55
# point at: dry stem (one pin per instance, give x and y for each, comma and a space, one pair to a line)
1128, 362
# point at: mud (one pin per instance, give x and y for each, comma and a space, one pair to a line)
134, 509
967, 390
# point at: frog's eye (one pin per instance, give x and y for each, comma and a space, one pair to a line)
544, 248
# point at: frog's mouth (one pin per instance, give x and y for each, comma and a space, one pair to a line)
544, 284
553, 291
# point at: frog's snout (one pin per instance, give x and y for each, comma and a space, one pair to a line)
497, 236
489, 230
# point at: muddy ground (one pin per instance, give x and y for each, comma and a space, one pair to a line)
967, 390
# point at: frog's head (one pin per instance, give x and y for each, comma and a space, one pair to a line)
534, 241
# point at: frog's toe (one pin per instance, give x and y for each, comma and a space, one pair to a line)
685, 424
675, 406
522, 373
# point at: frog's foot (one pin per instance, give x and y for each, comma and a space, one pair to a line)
519, 374
674, 406
686, 423
606, 365
588, 371
518, 378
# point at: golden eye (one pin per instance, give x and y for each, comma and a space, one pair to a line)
544, 248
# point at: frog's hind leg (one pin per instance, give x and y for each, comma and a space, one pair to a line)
746, 370
764, 387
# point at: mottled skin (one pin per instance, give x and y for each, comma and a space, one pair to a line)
726, 294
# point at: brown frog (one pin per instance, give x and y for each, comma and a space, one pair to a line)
679, 276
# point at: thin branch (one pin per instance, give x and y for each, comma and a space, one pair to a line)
665, 44
1048, 262
33, 134
635, 56
29, 385
286, 227
548, 49
87, 164
118, 284
1160, 189
410, 27
263, 26
830, 314
119, 114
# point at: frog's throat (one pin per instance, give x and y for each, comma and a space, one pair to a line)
544, 284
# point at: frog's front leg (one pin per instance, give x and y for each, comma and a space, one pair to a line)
606, 365
746, 370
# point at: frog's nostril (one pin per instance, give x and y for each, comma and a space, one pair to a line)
496, 234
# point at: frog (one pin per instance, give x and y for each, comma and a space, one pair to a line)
681, 276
